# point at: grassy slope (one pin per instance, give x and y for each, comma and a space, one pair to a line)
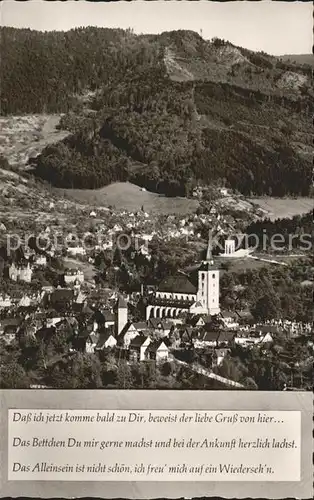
124, 195
284, 207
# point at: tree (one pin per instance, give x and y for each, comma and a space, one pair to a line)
13, 376
166, 369
124, 376
250, 383
267, 307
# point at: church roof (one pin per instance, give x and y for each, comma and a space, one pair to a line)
177, 284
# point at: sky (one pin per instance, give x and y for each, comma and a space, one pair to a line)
275, 27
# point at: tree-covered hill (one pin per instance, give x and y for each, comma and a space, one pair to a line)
163, 111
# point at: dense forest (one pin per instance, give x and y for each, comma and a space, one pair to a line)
291, 233
165, 112
271, 292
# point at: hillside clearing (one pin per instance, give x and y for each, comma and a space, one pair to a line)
127, 196
22, 137
279, 208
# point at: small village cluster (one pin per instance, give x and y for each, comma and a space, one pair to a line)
101, 321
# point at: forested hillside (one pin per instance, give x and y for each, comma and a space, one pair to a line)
165, 112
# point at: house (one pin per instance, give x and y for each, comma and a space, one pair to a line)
271, 329
25, 301
104, 318
91, 343
86, 311
260, 334
229, 319
141, 326
9, 333
128, 333
158, 351
143, 250
9, 328
20, 273
40, 260
5, 301
174, 338
196, 320
186, 334
81, 297
267, 339
9, 322
53, 321
226, 338
138, 347
75, 251
224, 191
245, 317
73, 276
162, 326
207, 339
85, 340
219, 355
247, 339
106, 340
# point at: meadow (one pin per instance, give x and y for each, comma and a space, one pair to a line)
278, 208
127, 196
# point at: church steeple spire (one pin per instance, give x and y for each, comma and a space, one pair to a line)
209, 252
208, 281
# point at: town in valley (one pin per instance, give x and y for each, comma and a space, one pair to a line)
155, 219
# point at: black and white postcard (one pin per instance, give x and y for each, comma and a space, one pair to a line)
156, 243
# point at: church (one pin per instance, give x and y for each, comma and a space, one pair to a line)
182, 293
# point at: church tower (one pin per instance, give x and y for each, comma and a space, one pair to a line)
121, 315
208, 283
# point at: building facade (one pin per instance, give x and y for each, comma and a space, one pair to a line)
178, 294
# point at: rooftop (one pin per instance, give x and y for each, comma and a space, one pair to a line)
138, 341
179, 283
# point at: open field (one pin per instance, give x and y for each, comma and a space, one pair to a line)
127, 196
284, 207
